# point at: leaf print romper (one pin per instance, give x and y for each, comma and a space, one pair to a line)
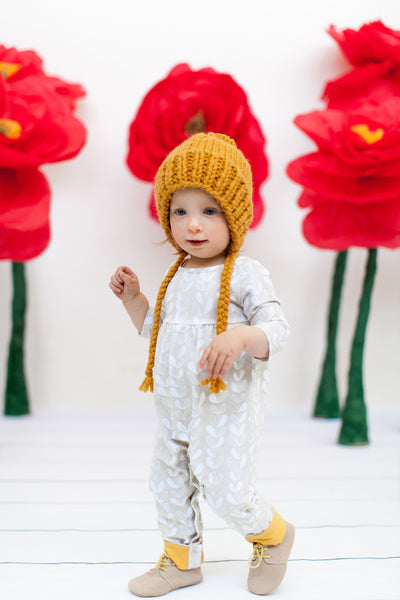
206, 443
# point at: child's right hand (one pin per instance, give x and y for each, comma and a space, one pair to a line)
125, 284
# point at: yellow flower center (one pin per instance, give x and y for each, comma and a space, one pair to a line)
7, 69
10, 129
369, 136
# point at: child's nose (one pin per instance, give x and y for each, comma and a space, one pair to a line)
194, 225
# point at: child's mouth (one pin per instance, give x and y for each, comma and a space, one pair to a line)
196, 243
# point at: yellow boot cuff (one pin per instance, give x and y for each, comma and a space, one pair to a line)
178, 553
185, 557
273, 535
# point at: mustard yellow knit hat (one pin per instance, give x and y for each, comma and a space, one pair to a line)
212, 162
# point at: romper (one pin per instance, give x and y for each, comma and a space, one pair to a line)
206, 442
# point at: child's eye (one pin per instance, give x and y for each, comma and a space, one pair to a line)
179, 211
210, 211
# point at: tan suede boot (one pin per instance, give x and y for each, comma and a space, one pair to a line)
268, 564
164, 578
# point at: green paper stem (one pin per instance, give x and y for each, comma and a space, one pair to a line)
354, 430
327, 401
16, 396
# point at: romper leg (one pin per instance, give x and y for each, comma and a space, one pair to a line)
223, 450
176, 492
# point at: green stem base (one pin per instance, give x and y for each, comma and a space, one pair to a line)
354, 429
327, 401
16, 394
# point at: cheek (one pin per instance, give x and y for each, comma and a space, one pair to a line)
173, 227
224, 232
177, 232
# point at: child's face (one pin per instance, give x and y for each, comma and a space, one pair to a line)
199, 227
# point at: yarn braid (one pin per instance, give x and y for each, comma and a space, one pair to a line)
224, 293
148, 383
216, 383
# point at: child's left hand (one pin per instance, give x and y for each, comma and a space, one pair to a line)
225, 348
222, 352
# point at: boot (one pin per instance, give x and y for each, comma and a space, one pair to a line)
164, 578
268, 564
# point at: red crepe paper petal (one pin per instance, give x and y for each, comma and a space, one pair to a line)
372, 42
337, 226
50, 133
24, 214
374, 50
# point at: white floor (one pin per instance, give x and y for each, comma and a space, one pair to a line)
77, 519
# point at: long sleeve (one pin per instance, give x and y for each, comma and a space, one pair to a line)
261, 306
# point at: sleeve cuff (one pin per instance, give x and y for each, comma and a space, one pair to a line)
148, 323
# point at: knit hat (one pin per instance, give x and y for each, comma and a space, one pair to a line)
213, 163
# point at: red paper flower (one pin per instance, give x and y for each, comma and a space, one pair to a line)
37, 126
187, 102
374, 50
352, 184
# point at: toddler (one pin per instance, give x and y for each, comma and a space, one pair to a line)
215, 325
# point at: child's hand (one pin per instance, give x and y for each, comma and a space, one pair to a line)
226, 347
125, 284
222, 352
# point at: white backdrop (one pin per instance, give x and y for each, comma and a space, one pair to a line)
81, 349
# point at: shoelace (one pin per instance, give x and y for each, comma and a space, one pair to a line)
258, 555
163, 561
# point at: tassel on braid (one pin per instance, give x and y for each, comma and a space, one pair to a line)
147, 383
